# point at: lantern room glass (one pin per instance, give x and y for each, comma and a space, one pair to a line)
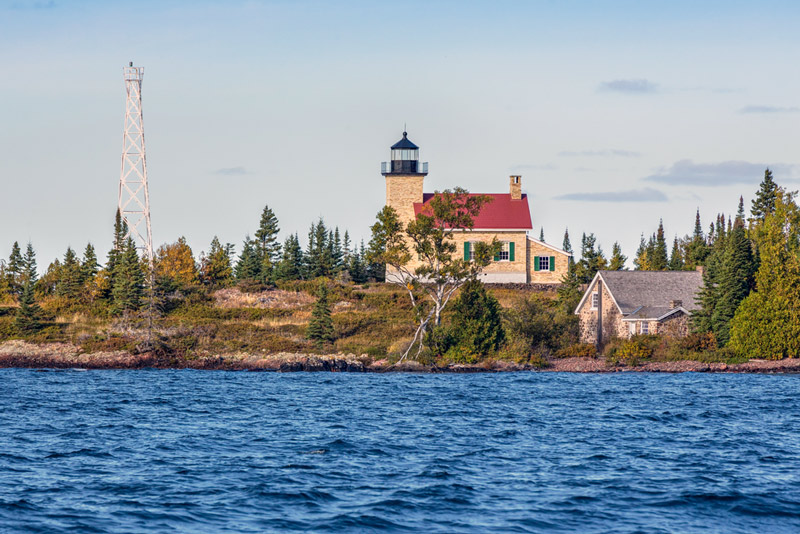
405, 154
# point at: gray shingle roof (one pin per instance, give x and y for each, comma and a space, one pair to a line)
633, 289
649, 312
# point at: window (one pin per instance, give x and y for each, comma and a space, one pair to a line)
471, 251
595, 300
645, 327
544, 263
505, 252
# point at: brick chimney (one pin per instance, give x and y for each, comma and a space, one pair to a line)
675, 304
516, 187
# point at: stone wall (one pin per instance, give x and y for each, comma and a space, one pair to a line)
676, 325
611, 323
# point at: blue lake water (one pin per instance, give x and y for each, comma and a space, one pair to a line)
194, 451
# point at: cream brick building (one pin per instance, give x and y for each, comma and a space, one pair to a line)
523, 259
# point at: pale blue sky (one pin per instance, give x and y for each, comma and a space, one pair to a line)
615, 113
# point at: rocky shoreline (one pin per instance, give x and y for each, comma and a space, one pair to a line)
19, 354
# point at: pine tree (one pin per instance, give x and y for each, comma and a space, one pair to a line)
117, 247
618, 259
357, 267
347, 248
676, 258
249, 265
591, 260
28, 318
29, 272
320, 327
5, 288
764, 203
129, 279
16, 270
475, 324
541, 234
696, 250
319, 255
267, 245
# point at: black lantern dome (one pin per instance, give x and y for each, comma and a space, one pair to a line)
405, 159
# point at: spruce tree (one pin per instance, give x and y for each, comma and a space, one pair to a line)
659, 260
70, 278
320, 327
566, 246
347, 248
764, 202
30, 272
129, 280
696, 250
117, 247
641, 260
267, 244
249, 265
89, 265
291, 265
16, 270
475, 321
541, 234
618, 259
676, 257
591, 260
28, 318
215, 268
337, 259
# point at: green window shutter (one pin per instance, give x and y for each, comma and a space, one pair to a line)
552, 263
511, 251
536, 263
466, 250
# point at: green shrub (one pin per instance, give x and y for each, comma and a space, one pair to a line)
630, 351
578, 350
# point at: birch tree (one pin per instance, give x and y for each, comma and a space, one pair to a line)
439, 271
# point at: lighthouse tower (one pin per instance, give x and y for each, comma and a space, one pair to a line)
404, 175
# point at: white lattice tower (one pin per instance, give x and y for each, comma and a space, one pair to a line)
134, 198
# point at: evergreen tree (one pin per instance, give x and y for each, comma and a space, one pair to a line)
129, 279
737, 271
475, 325
591, 260
357, 267
658, 260
541, 234
764, 202
641, 261
767, 322
249, 265
29, 272
347, 248
696, 250
618, 259
5, 288
320, 327
215, 268
89, 265
676, 258
28, 318
291, 265
117, 247
337, 255
16, 270
566, 246
319, 255
70, 277
267, 245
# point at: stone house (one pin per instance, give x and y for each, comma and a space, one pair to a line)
625, 303
523, 259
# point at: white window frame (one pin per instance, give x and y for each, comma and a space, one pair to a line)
644, 328
505, 252
471, 250
595, 300
544, 263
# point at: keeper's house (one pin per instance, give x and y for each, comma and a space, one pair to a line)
507, 217
625, 303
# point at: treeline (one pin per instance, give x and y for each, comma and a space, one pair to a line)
128, 284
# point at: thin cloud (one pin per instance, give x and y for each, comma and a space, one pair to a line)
768, 109
632, 195
687, 172
232, 171
600, 153
633, 86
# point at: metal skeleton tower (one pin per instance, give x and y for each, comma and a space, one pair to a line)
134, 198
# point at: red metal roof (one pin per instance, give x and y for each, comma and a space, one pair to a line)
502, 213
